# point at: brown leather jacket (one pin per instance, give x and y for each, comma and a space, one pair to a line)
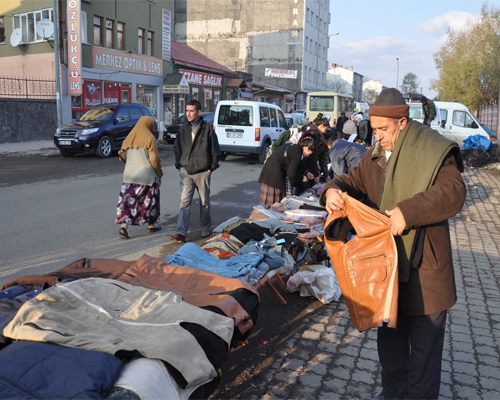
431, 287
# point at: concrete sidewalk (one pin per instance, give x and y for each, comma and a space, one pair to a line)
45, 147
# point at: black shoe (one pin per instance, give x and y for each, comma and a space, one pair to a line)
123, 233
154, 229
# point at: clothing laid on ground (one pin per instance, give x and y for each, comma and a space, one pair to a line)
344, 156
37, 370
115, 317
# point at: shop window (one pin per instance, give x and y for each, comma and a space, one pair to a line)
195, 95
140, 41
147, 95
120, 35
97, 30
150, 43
2, 29
27, 23
109, 33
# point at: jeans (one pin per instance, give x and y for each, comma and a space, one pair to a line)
200, 182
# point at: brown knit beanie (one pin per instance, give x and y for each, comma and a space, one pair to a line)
390, 104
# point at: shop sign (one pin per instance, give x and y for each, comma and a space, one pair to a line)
175, 89
111, 93
92, 94
245, 95
200, 78
126, 62
289, 96
281, 73
208, 94
166, 31
74, 48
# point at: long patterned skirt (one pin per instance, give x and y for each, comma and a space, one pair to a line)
269, 195
138, 204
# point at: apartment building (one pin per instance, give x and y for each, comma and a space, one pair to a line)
283, 43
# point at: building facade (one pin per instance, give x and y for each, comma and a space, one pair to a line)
345, 80
283, 43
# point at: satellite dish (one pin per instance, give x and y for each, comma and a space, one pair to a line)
16, 37
45, 28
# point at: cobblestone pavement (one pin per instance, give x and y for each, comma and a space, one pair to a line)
330, 359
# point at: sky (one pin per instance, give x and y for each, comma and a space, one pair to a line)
374, 33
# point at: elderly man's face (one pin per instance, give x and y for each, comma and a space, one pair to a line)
387, 130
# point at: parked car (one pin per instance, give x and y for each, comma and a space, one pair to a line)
296, 119
101, 130
248, 127
171, 130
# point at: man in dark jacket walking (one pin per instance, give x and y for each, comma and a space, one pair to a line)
197, 155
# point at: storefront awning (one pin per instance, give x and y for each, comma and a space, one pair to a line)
175, 83
235, 82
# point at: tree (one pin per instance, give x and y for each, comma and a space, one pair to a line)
468, 65
410, 84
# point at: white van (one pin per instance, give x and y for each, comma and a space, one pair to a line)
417, 114
248, 127
458, 123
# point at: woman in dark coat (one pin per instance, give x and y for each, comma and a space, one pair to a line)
284, 162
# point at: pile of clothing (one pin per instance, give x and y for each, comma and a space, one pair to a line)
103, 328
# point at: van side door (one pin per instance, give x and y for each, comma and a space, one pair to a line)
283, 126
275, 128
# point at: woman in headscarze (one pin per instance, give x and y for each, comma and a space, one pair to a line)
139, 200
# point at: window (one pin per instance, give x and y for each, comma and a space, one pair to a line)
135, 113
2, 29
120, 31
27, 23
274, 117
264, 117
97, 30
83, 27
140, 42
109, 33
122, 112
150, 43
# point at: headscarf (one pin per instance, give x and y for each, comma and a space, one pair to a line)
141, 137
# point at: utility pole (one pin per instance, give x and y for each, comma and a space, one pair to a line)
56, 64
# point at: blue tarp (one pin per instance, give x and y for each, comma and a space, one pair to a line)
477, 142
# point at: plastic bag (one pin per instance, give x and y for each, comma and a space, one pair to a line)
317, 281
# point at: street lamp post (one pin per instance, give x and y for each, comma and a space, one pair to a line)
317, 57
397, 74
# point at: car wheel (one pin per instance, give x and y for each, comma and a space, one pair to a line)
66, 152
223, 156
105, 147
262, 156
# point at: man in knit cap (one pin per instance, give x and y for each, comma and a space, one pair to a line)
413, 176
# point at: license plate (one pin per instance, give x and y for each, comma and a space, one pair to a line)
65, 142
235, 135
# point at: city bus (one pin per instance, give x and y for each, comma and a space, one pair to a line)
330, 104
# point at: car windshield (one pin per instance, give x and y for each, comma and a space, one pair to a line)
98, 114
180, 120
